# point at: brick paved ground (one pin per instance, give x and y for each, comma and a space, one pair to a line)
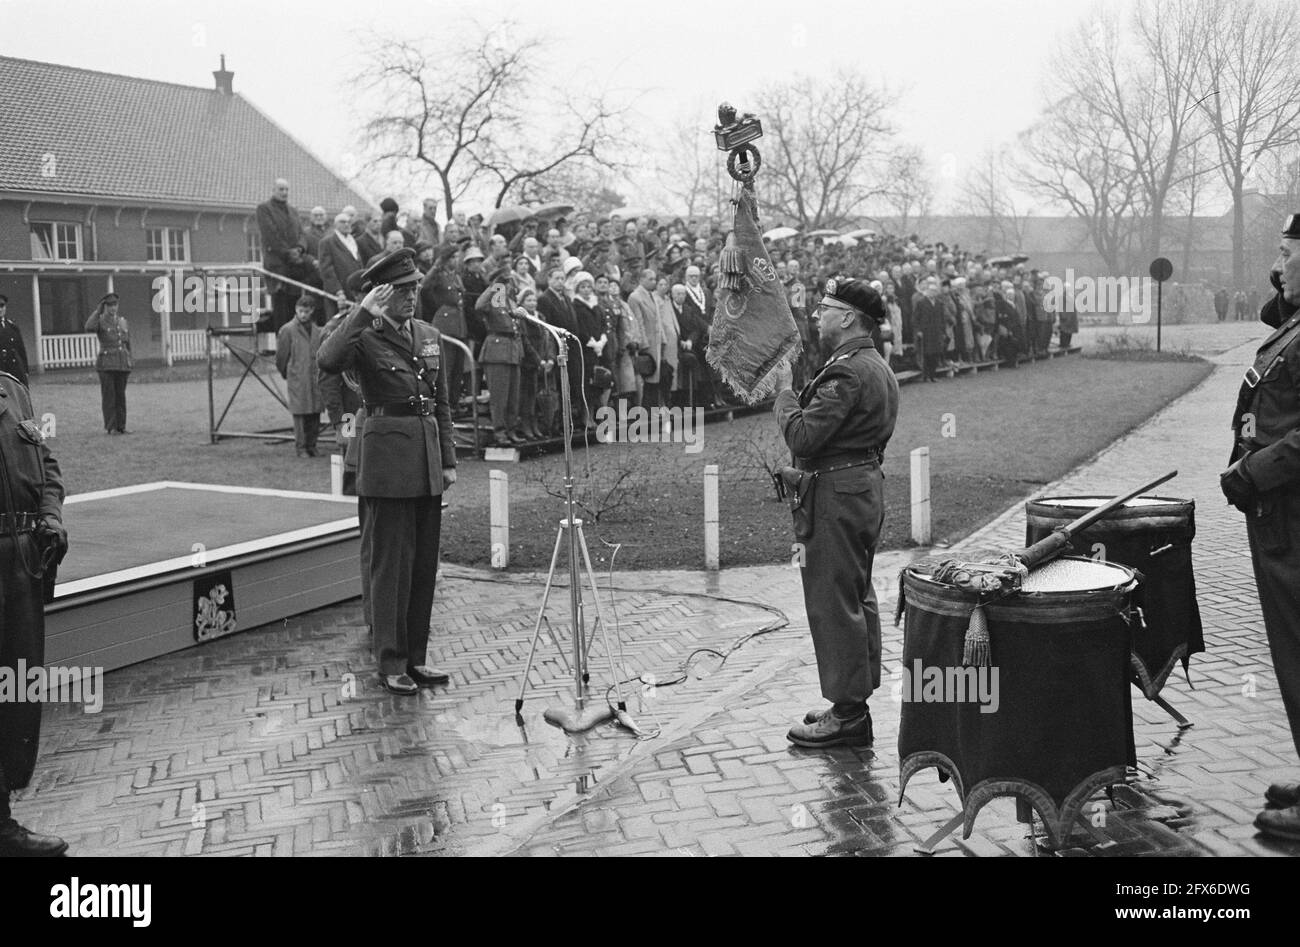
257, 744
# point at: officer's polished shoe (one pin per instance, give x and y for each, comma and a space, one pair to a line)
832, 730
1282, 795
400, 684
18, 842
427, 676
813, 716
1280, 823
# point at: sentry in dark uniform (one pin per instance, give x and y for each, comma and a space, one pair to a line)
32, 542
13, 352
406, 459
1263, 482
837, 429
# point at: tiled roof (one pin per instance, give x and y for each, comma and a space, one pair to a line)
121, 137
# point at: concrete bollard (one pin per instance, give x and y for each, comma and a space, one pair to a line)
499, 517
336, 474
921, 496
711, 557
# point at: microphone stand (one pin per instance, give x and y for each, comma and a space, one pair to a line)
571, 536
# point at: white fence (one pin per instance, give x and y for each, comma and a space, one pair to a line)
81, 349
69, 351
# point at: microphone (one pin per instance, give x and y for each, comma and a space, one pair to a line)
556, 331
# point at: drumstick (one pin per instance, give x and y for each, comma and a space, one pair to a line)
1049, 547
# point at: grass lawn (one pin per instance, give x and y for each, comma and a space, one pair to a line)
1006, 434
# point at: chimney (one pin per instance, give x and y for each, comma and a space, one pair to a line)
225, 78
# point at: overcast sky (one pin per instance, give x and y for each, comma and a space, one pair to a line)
970, 70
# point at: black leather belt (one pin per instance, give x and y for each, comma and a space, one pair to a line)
410, 408
825, 463
18, 523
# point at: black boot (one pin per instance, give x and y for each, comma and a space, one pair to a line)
18, 842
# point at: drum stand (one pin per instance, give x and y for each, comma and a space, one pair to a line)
570, 535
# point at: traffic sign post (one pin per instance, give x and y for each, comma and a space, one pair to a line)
1161, 270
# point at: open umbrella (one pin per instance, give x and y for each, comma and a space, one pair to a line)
1001, 261
848, 241
860, 234
780, 233
822, 233
509, 215
549, 211
1017, 258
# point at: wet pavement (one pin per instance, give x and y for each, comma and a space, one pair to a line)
280, 741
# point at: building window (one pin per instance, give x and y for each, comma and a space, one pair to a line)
53, 241
253, 248
167, 245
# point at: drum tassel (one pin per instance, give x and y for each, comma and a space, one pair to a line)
976, 652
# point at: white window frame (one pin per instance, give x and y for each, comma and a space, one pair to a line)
165, 235
59, 231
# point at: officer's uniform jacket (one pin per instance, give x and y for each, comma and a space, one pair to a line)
114, 342
400, 456
13, 353
1275, 404
29, 476
850, 406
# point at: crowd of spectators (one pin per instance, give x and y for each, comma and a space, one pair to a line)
637, 295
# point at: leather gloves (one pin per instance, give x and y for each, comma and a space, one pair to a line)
53, 538
1237, 485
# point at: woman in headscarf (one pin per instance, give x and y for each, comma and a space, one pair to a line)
521, 277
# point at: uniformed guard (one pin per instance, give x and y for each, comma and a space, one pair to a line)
406, 460
32, 541
1263, 481
13, 352
837, 429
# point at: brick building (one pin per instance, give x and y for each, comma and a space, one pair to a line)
109, 181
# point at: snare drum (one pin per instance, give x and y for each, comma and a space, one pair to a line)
1154, 536
1052, 719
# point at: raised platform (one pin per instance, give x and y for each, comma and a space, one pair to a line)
144, 560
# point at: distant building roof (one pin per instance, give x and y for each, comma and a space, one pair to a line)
119, 137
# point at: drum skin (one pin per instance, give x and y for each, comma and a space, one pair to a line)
1129, 536
1063, 726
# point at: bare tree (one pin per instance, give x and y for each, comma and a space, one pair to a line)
1074, 156
686, 168
471, 112
908, 190
826, 147
987, 193
1255, 108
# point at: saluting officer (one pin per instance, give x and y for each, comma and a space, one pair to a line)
32, 541
406, 460
1263, 482
837, 429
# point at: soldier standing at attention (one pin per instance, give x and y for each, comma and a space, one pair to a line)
837, 428
1263, 482
113, 362
32, 541
406, 460
13, 353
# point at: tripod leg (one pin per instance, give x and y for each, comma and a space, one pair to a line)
600, 619
537, 628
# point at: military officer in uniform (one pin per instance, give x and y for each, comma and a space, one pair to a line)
13, 353
837, 428
406, 460
1263, 481
32, 541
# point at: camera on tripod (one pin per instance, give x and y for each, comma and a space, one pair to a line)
731, 133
